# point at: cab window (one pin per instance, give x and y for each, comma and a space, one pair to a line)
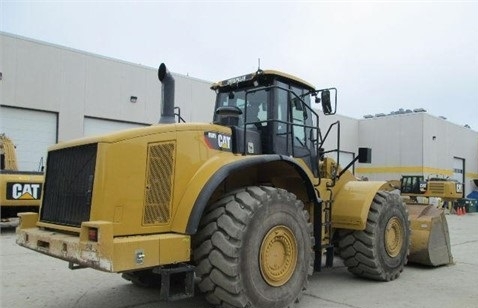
299, 114
256, 105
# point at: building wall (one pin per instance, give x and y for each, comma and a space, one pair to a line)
445, 143
76, 85
418, 144
396, 143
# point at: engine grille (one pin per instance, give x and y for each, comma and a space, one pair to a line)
69, 185
158, 191
437, 188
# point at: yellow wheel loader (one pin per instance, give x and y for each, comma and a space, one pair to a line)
20, 191
430, 237
247, 207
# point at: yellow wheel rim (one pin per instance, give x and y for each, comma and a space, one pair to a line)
278, 256
394, 237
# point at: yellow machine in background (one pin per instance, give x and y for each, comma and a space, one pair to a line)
20, 191
439, 186
430, 237
250, 205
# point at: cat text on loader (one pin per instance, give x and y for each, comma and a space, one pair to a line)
430, 237
250, 205
20, 191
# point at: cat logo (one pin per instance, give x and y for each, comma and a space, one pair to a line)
224, 141
218, 141
23, 191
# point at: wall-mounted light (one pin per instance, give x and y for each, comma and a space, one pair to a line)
133, 99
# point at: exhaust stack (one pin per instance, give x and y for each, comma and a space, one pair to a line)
167, 95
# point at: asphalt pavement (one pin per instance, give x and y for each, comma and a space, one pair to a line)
30, 279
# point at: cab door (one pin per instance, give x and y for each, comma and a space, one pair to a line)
291, 132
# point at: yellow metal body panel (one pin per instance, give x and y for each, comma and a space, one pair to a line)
158, 249
352, 204
111, 254
28, 220
196, 184
119, 198
121, 174
447, 190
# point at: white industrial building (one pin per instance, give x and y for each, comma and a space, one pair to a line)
50, 93
410, 143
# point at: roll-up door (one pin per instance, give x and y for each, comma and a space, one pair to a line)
32, 132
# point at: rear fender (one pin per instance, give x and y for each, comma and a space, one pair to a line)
352, 204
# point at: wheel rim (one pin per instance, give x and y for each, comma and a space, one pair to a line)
394, 237
278, 256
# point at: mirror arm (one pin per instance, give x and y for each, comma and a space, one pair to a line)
348, 166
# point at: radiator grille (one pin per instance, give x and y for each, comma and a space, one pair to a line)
69, 185
158, 192
436, 188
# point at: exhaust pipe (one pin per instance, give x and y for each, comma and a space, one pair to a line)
167, 95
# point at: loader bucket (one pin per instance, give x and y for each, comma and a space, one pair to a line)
430, 240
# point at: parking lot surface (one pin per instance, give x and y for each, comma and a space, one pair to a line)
29, 279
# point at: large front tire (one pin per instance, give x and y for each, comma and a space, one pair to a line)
254, 249
380, 251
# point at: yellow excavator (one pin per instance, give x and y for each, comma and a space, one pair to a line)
20, 191
430, 236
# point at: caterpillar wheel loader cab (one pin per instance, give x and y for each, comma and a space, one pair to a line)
251, 203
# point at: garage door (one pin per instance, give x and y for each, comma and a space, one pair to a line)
32, 132
94, 126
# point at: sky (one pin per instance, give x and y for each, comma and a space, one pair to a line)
380, 55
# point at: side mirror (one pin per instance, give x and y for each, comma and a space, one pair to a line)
326, 104
328, 101
365, 155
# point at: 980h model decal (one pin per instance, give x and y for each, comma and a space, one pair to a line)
23, 191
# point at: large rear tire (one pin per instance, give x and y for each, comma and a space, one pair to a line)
380, 251
254, 249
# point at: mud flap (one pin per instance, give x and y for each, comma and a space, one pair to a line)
430, 239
